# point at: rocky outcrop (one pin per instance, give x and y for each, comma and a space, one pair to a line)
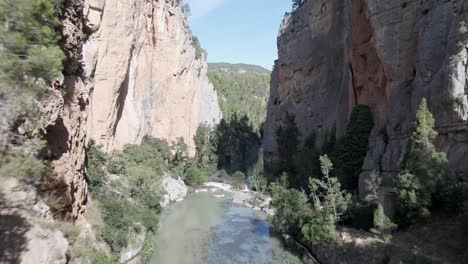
148, 77
176, 190
334, 54
66, 121
23, 227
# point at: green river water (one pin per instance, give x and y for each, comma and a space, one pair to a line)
205, 229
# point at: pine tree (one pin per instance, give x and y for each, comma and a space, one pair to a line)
287, 137
327, 193
423, 169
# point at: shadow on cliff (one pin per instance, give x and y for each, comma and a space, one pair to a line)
13, 229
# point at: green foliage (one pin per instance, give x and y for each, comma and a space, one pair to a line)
349, 154
423, 169
132, 203
144, 185
236, 144
180, 160
186, 10
259, 182
291, 206
360, 216
195, 176
30, 59
199, 51
288, 138
152, 153
242, 89
415, 259
29, 40
223, 174
327, 193
382, 224
237, 180
102, 258
147, 251
23, 163
205, 145
96, 160
306, 162
318, 227
286, 257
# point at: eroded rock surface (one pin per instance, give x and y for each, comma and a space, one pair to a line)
176, 190
148, 77
334, 54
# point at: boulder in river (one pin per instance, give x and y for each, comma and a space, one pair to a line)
176, 190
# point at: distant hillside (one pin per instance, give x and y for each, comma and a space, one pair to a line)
239, 67
242, 89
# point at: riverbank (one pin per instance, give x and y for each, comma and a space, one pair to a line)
215, 230
245, 198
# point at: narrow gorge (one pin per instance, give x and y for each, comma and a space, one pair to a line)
122, 140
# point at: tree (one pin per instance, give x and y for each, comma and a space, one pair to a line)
205, 148
318, 227
383, 226
291, 205
288, 138
327, 193
350, 153
423, 169
180, 158
186, 10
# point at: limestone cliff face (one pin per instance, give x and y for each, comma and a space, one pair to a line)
334, 54
131, 70
66, 117
147, 77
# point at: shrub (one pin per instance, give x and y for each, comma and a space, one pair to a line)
286, 257
102, 258
318, 227
195, 176
237, 180
21, 165
382, 224
144, 185
223, 174
96, 159
148, 247
291, 205
360, 216
415, 259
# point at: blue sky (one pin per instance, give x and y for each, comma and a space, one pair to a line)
238, 31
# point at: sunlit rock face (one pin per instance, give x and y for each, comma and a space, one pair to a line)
334, 54
147, 79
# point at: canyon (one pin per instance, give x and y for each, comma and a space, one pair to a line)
388, 55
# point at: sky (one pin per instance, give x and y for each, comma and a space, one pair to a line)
238, 31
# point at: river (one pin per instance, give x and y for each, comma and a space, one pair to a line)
205, 229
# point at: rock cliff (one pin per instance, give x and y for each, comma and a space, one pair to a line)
148, 76
131, 70
334, 54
